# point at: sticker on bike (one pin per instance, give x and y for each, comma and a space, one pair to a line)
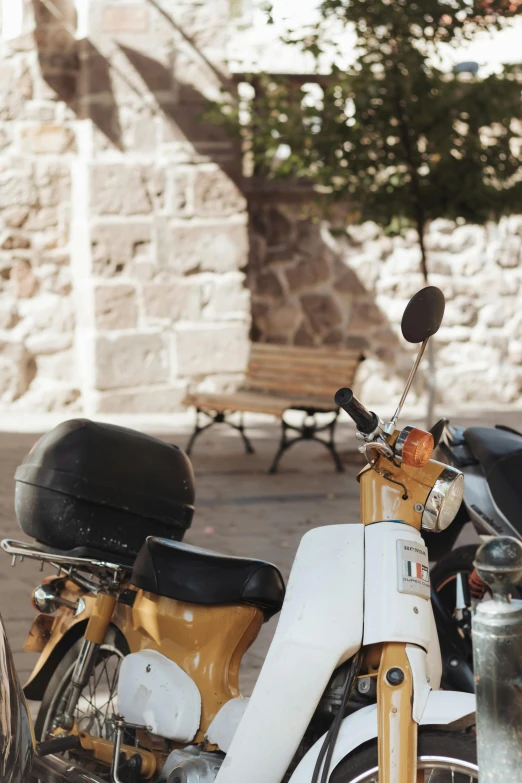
413, 569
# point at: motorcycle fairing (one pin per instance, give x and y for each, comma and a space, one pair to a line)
320, 627
442, 708
478, 501
499, 453
481, 507
391, 615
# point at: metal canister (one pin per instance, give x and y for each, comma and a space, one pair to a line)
497, 653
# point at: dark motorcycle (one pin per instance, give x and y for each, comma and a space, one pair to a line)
491, 460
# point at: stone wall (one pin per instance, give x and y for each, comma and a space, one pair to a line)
167, 223
122, 263
310, 287
37, 321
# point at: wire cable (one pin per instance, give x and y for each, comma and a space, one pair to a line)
328, 746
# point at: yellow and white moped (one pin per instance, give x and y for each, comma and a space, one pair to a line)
356, 641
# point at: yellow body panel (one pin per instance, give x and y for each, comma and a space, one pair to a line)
382, 498
208, 642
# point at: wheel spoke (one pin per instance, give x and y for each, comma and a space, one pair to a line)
97, 699
97, 682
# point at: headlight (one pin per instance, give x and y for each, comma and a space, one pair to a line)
443, 501
44, 598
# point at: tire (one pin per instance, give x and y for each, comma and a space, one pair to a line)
459, 560
112, 651
454, 633
361, 766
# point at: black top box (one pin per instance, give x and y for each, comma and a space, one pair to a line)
90, 487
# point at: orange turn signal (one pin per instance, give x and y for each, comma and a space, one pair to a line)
414, 447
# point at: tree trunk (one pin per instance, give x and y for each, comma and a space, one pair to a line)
420, 219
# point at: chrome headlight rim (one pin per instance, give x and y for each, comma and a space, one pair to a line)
449, 478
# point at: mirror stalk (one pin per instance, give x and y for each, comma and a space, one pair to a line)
390, 426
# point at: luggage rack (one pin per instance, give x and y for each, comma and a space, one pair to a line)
21, 549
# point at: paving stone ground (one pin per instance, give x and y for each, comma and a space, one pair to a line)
241, 510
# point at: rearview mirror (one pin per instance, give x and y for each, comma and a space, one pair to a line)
423, 315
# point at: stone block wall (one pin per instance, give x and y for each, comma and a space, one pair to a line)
124, 234
349, 289
165, 301
37, 314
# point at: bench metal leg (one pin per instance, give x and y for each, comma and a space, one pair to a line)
241, 429
308, 431
197, 431
330, 444
218, 418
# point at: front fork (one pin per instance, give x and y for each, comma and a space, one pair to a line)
95, 632
397, 731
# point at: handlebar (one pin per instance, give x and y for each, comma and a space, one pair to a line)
366, 421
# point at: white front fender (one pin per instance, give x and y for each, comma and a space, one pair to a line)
442, 708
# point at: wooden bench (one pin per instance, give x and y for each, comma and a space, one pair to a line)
281, 378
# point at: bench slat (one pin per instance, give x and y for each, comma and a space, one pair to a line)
256, 403
279, 348
295, 387
303, 366
308, 375
282, 353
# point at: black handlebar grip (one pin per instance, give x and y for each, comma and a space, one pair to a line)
365, 420
58, 745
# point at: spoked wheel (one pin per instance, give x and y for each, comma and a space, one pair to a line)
444, 757
98, 700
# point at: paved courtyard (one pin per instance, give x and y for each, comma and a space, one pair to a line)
241, 509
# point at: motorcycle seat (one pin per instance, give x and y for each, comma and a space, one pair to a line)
200, 576
499, 453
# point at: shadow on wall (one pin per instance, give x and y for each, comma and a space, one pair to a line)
57, 47
304, 292
74, 68
84, 78
180, 103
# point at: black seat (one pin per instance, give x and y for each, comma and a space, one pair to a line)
499, 453
199, 576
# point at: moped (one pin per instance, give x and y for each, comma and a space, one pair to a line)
349, 690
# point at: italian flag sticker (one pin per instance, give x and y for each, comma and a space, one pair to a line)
415, 570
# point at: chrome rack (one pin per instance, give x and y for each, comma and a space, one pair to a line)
22, 549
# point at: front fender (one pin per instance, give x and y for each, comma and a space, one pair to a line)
66, 629
442, 708
53, 652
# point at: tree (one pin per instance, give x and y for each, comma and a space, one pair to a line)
395, 135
